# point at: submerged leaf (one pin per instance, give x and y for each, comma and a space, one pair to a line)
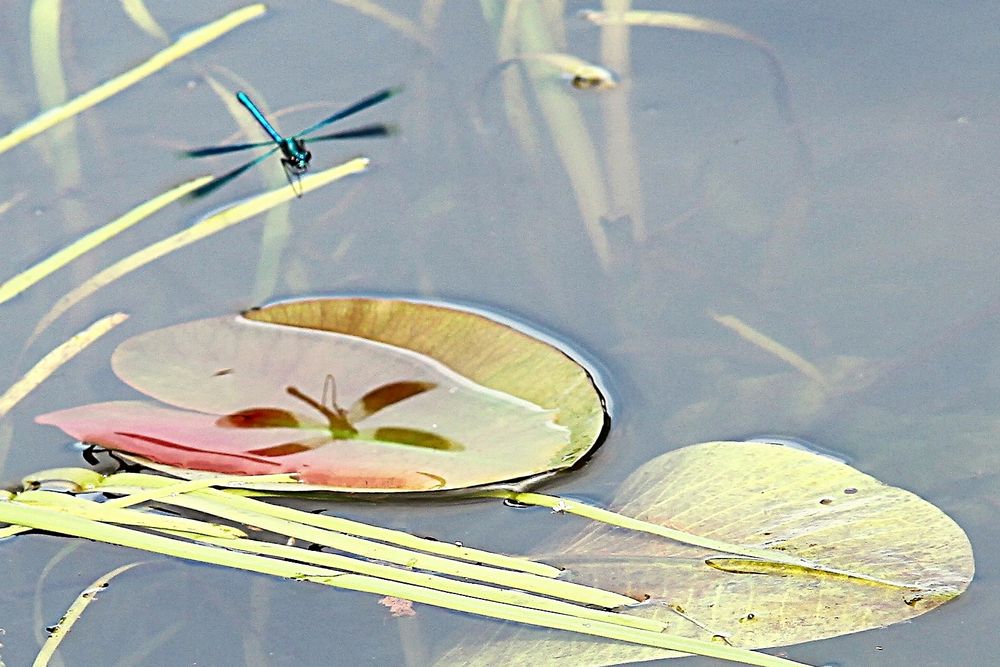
259, 418
384, 396
885, 556
262, 398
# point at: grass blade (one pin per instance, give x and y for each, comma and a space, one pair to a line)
623, 176
243, 511
56, 358
84, 244
400, 24
41, 518
151, 487
63, 502
570, 135
63, 153
771, 346
73, 614
183, 46
141, 16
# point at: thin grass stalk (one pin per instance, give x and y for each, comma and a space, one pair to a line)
430, 15
515, 96
389, 19
163, 487
183, 46
563, 505
142, 17
10, 203
86, 243
570, 135
141, 648
63, 151
43, 519
434, 582
73, 614
61, 147
6, 438
230, 538
619, 142
391, 554
772, 347
52, 361
755, 559
61, 502
39, 621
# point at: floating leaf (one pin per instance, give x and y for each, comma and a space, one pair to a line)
437, 398
885, 556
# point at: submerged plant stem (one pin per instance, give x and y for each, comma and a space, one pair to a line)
771, 346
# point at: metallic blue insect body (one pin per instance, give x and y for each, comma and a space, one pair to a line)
295, 157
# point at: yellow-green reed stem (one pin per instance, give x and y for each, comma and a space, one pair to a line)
431, 581
62, 502
229, 538
142, 487
56, 358
59, 259
74, 612
63, 153
183, 46
43, 519
142, 17
243, 510
613, 518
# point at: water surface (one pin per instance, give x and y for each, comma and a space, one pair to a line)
860, 231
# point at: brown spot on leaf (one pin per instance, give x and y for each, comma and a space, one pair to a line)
389, 394
259, 418
415, 438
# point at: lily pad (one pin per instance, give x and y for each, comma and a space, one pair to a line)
367, 395
883, 555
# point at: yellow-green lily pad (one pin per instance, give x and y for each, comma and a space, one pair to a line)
883, 555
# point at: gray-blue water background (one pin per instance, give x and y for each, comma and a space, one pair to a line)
862, 232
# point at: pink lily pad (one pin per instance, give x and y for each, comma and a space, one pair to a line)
252, 397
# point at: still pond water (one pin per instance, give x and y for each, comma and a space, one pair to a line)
851, 216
